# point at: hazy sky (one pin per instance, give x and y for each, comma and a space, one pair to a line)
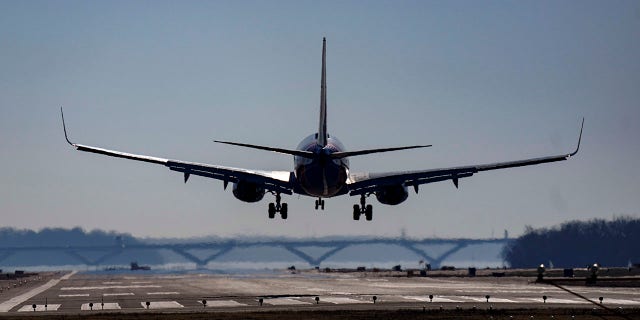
482, 81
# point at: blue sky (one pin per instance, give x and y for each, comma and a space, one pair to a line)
481, 81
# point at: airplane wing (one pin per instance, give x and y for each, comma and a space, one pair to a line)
366, 183
277, 181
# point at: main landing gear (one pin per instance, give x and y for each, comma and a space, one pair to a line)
277, 207
319, 204
363, 208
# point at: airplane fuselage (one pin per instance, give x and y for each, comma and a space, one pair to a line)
322, 176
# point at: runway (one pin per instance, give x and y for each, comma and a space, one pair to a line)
83, 293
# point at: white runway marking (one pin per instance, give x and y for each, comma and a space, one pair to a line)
135, 286
97, 306
618, 301
483, 299
68, 275
557, 300
73, 295
161, 293
112, 282
39, 307
342, 300
11, 303
161, 304
140, 282
284, 301
118, 294
435, 299
223, 303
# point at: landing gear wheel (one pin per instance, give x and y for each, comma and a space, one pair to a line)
319, 204
272, 210
283, 211
322, 204
363, 208
368, 212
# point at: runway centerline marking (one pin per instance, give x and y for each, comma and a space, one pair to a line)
110, 287
161, 293
73, 295
118, 294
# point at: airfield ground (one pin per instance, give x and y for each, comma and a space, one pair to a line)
512, 294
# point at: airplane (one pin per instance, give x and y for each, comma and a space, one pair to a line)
321, 169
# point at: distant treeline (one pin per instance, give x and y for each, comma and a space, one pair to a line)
11, 237
577, 244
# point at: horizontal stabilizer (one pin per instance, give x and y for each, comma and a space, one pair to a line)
339, 155
299, 153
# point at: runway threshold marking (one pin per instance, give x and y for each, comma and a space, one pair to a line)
223, 303
39, 307
13, 302
161, 304
98, 306
284, 301
342, 300
73, 295
118, 294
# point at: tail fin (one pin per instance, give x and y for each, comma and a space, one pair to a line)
322, 129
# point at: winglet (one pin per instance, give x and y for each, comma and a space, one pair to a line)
579, 139
64, 127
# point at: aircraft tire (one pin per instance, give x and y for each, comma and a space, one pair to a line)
368, 213
284, 211
272, 210
356, 212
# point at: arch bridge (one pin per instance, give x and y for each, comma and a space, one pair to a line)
218, 249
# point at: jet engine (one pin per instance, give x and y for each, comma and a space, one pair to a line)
248, 191
392, 195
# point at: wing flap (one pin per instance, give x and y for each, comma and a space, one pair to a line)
277, 181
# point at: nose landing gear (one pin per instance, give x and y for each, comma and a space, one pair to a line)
363, 208
278, 208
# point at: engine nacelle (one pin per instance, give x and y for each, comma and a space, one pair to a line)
248, 191
392, 195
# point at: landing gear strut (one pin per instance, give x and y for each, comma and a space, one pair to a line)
363, 208
277, 207
319, 204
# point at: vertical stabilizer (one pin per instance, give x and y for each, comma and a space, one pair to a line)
322, 129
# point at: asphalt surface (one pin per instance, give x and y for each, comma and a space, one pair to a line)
79, 293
